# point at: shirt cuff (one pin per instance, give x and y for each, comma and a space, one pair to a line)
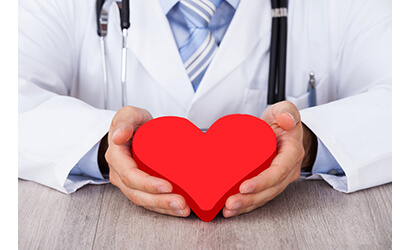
88, 165
325, 163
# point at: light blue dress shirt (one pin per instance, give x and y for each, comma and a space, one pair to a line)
88, 165
325, 163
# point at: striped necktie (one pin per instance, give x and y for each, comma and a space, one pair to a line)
200, 47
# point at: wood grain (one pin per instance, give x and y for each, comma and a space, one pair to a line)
308, 215
326, 219
49, 219
137, 228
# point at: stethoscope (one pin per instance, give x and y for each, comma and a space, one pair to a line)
277, 60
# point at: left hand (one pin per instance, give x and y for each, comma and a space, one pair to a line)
293, 139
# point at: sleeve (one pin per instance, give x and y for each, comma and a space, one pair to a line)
325, 163
88, 165
55, 129
357, 128
326, 167
86, 171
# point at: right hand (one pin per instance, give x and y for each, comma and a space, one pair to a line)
144, 190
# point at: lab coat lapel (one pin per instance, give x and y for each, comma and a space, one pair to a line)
152, 42
250, 22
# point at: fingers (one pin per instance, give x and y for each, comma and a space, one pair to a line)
144, 190
239, 203
284, 169
268, 178
139, 180
119, 155
288, 159
244, 203
126, 168
290, 147
284, 119
171, 204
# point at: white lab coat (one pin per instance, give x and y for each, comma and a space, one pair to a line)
347, 44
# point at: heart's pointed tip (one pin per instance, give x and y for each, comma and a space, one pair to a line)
207, 217
207, 220
209, 214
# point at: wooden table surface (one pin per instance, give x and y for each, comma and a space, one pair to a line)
307, 215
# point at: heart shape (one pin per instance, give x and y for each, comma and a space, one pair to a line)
205, 168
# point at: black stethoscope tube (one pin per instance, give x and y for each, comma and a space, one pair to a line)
277, 66
277, 59
99, 6
124, 8
125, 14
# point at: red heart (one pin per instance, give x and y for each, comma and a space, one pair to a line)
205, 168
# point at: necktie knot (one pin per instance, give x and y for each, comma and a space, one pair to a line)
197, 12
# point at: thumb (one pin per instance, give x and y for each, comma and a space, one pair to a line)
286, 120
125, 122
285, 114
122, 134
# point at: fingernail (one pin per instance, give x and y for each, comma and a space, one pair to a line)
236, 205
176, 206
179, 212
163, 189
293, 118
116, 131
232, 213
247, 189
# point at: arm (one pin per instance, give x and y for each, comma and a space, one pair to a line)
55, 130
355, 129
359, 136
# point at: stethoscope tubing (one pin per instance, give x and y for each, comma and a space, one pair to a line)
277, 58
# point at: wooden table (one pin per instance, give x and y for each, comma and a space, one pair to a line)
307, 215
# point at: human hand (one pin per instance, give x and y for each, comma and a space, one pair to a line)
144, 190
293, 140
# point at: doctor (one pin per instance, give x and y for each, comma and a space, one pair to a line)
345, 139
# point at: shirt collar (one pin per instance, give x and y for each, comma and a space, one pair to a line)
167, 5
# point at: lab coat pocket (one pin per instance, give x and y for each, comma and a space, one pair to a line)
255, 102
302, 101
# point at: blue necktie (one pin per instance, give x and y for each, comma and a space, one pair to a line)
200, 47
